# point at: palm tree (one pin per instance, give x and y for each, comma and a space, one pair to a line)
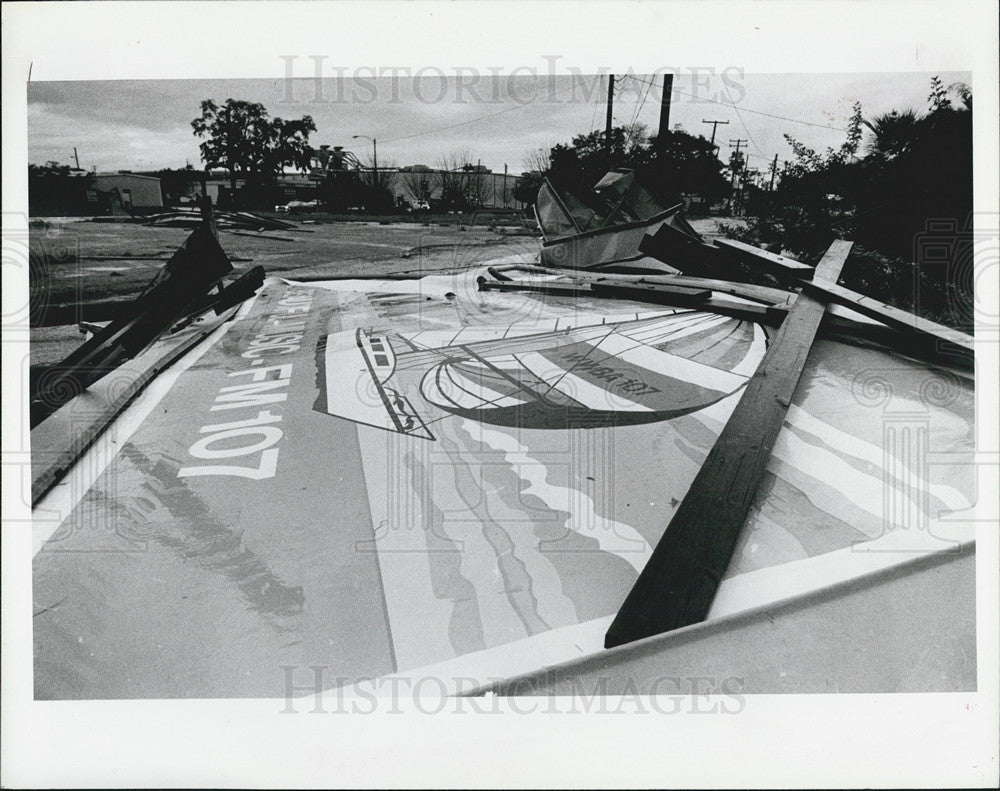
894, 132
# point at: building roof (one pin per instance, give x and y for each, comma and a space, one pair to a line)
119, 173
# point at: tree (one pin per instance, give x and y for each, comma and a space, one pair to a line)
892, 133
342, 189
506, 192
737, 171
527, 185
916, 167
177, 182
243, 139
667, 165
478, 190
537, 160
378, 196
58, 189
680, 163
418, 186
454, 169
581, 164
289, 145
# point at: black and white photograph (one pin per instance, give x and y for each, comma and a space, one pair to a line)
410, 394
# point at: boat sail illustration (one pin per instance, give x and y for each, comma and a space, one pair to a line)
583, 371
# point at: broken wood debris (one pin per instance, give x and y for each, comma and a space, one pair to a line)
771, 306
177, 292
263, 236
224, 220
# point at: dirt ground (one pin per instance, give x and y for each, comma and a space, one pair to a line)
78, 261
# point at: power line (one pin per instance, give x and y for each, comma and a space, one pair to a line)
481, 117
635, 117
640, 79
753, 112
593, 115
737, 109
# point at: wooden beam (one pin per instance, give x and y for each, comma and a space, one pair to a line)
679, 581
763, 294
653, 292
552, 288
727, 307
893, 317
778, 265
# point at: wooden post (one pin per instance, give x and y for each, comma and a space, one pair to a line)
678, 584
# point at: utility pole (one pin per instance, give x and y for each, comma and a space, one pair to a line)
76, 157
715, 125
607, 123
668, 89
732, 182
774, 169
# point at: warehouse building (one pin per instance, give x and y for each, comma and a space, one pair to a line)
135, 191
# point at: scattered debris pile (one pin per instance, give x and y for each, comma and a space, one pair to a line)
224, 221
618, 243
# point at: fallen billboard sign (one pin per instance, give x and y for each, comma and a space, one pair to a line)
395, 477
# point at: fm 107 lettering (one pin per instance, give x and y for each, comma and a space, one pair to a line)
247, 442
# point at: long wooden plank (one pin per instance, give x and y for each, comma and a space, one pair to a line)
653, 292
763, 294
739, 310
887, 314
779, 265
679, 581
552, 288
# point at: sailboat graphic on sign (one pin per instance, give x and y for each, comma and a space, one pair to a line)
583, 371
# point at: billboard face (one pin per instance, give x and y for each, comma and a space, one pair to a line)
383, 477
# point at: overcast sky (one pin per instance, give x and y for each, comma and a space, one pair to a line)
146, 125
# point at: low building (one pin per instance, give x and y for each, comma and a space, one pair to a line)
136, 191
